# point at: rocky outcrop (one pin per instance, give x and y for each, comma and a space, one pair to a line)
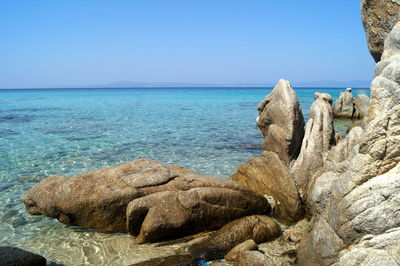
346, 106
281, 122
343, 107
258, 228
379, 17
318, 139
164, 201
355, 206
18, 257
268, 175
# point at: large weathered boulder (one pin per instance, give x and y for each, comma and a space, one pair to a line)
281, 122
356, 206
268, 175
318, 139
258, 228
11, 256
164, 201
344, 106
379, 17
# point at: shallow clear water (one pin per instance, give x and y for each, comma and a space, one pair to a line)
70, 131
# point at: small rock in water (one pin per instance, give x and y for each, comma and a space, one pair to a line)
18, 257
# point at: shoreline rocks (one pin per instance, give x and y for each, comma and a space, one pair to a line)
349, 107
164, 201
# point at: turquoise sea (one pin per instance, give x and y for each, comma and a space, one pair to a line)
70, 131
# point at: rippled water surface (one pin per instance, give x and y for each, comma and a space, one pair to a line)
70, 131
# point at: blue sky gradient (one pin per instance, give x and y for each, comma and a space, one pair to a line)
80, 43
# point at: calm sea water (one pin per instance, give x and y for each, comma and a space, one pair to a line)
70, 131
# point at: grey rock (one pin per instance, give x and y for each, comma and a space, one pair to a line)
281, 122
344, 106
318, 139
355, 205
361, 105
11, 256
379, 17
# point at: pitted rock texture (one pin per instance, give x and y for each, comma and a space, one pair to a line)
344, 107
164, 201
281, 122
356, 206
318, 139
379, 17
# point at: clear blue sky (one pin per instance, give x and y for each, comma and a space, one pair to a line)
89, 42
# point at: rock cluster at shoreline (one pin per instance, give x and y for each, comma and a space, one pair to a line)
311, 198
346, 106
149, 200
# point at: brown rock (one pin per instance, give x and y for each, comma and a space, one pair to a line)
267, 175
245, 246
379, 17
99, 199
259, 228
281, 122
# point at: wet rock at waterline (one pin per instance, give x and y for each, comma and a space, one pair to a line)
164, 201
11, 256
349, 107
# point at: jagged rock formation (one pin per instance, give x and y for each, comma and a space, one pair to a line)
318, 139
379, 17
281, 122
355, 205
343, 107
346, 106
164, 201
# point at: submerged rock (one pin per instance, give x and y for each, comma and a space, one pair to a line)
164, 201
379, 17
281, 122
18, 257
